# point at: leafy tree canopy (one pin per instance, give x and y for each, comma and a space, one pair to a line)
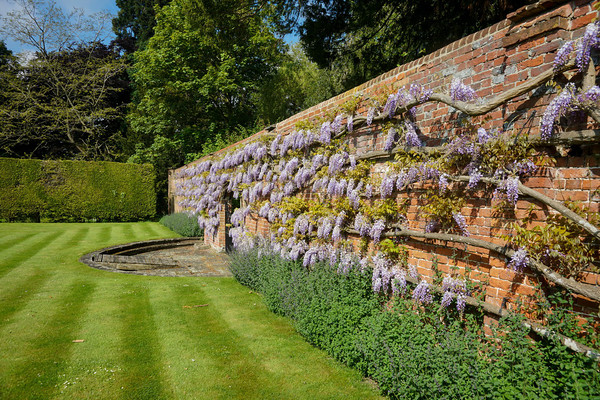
201, 71
363, 39
67, 100
134, 24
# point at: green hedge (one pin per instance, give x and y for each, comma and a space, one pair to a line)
415, 352
68, 191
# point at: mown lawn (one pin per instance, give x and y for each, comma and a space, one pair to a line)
139, 341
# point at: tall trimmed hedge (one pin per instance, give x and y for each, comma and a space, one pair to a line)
71, 191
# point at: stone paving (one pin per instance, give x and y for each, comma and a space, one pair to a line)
193, 259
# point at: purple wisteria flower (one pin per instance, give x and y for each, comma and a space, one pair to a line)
399, 283
352, 159
377, 284
340, 218
412, 138
557, 107
422, 293
325, 227
390, 106
591, 95
336, 125
361, 224
336, 162
454, 288
447, 299
370, 115
474, 178
512, 189
288, 189
285, 145
310, 257
412, 272
390, 140
332, 187
524, 167
354, 198
387, 185
483, 136
460, 91
381, 273
461, 301
562, 55
377, 229
461, 222
325, 136
350, 123
336, 235
419, 93
264, 210
364, 263
368, 190
519, 260
443, 183
589, 41
347, 260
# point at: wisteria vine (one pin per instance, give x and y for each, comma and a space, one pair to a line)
317, 196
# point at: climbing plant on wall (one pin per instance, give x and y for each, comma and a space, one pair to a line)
326, 204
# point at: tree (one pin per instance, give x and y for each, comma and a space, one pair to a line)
362, 39
201, 71
69, 105
134, 24
5, 54
68, 100
297, 85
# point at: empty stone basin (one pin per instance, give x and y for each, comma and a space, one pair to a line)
162, 257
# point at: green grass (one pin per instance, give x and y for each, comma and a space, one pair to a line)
140, 342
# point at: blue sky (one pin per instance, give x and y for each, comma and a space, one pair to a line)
90, 7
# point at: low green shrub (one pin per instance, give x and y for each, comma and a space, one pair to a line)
413, 351
182, 223
70, 191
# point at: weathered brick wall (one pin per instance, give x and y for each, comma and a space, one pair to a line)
491, 61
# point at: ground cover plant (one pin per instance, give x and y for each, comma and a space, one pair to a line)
182, 223
414, 351
139, 339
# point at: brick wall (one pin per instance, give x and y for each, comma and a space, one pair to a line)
491, 61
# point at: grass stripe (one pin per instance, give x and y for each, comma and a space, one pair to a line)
15, 296
104, 234
18, 244
199, 345
42, 360
157, 230
10, 263
140, 349
9, 240
244, 312
127, 232
140, 230
95, 365
139, 340
77, 236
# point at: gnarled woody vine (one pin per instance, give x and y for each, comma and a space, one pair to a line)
314, 193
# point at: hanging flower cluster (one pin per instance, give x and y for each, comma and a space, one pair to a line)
571, 99
313, 192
